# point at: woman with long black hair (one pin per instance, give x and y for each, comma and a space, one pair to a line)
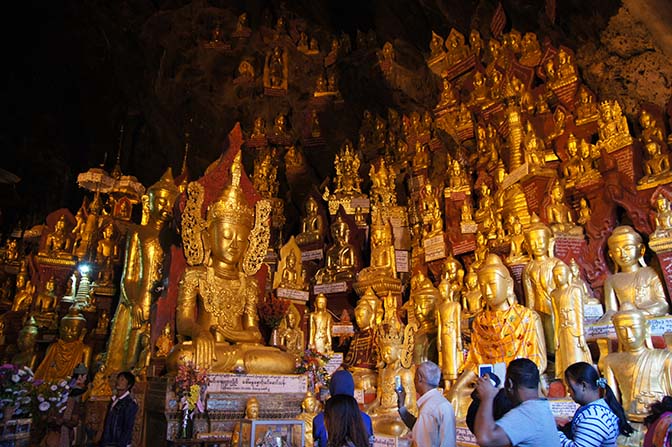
600, 419
659, 424
344, 423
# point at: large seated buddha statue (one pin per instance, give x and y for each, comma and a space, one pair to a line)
217, 299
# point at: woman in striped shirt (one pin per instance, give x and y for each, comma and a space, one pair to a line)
600, 419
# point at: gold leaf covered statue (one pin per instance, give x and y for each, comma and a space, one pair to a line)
538, 282
568, 303
425, 298
472, 298
383, 261
449, 314
312, 224
656, 165
341, 257
290, 274
586, 109
276, 69
638, 374
25, 343
320, 323
291, 335
612, 127
503, 331
142, 271
457, 50
68, 350
217, 300
310, 407
58, 242
662, 235
633, 281
25, 289
362, 356
165, 342
46, 300
558, 214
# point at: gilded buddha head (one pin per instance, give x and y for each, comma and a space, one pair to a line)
538, 238
27, 335
229, 221
561, 274
496, 283
73, 325
252, 408
310, 404
631, 327
161, 197
625, 247
364, 315
572, 146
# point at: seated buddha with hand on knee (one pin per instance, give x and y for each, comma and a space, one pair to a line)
217, 300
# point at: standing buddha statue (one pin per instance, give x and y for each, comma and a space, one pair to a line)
320, 324
217, 296
425, 298
633, 281
141, 273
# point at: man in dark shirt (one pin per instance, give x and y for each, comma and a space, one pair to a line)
118, 430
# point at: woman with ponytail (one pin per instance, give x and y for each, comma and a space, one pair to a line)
600, 419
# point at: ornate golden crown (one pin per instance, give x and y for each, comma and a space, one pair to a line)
231, 206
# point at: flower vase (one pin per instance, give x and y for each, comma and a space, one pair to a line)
186, 427
274, 339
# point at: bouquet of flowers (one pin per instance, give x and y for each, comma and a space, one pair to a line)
15, 393
190, 385
313, 363
272, 311
51, 396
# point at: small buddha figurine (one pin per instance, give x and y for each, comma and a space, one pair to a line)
243, 431
612, 127
302, 45
538, 282
663, 219
451, 279
164, 343
573, 167
588, 161
472, 299
58, 242
291, 335
280, 126
68, 350
11, 251
448, 96
290, 274
656, 165
383, 261
421, 157
312, 224
558, 214
217, 298
346, 164
523, 336
568, 303
242, 28
584, 212
25, 343
436, 46
259, 130
566, 70
650, 131
632, 282
449, 345
457, 50
142, 270
637, 374
383, 185
107, 251
425, 298
25, 290
486, 206
275, 69
579, 282
103, 323
476, 44
246, 70
458, 179
46, 300
341, 258
466, 213
559, 118
310, 407
479, 94
481, 251
534, 150
362, 356
530, 50
320, 324
586, 109
518, 249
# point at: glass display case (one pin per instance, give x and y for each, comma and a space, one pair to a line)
269, 433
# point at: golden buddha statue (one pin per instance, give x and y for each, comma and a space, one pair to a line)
310, 407
570, 342
396, 354
476, 44
164, 343
67, 351
362, 356
259, 129
383, 185
246, 70
217, 296
565, 72
46, 300
612, 127
481, 251
58, 242
292, 338
436, 50
11, 254
503, 331
579, 282
425, 298
466, 214
638, 374
320, 323
472, 298
23, 297
142, 270
290, 274
25, 344
590, 173
383, 261
457, 50
103, 323
459, 179
518, 248
449, 342
448, 96
312, 224
107, 252
656, 165
421, 157
451, 279
586, 109
530, 50
584, 212
558, 214
480, 93
650, 131
633, 281
276, 69
572, 168
538, 282
341, 262
509, 201
663, 220
347, 165
486, 207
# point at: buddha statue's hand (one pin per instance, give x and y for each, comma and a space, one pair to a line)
251, 335
204, 344
137, 317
